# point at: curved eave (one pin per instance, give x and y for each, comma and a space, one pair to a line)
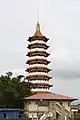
35, 44
40, 92
29, 62
50, 96
34, 37
37, 59
38, 52
49, 99
46, 47
38, 75
37, 78
38, 68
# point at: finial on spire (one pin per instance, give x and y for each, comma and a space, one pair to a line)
38, 10
38, 27
38, 32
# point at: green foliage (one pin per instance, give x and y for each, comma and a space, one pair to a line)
13, 90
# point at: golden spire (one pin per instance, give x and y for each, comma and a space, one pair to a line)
38, 27
38, 32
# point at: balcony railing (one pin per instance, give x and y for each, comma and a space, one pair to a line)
38, 89
38, 73
37, 49
37, 41
40, 81
38, 65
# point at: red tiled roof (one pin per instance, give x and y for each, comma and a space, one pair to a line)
40, 92
49, 96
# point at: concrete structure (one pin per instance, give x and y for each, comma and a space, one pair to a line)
53, 106
75, 109
43, 104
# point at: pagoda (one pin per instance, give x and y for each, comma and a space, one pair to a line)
37, 63
43, 104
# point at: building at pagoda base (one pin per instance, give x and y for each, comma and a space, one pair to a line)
43, 104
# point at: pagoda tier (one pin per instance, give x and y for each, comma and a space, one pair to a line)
37, 61
30, 78
40, 87
38, 77
38, 53
37, 44
41, 38
41, 84
37, 69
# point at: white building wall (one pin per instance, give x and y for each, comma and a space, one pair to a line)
32, 115
43, 108
66, 106
32, 109
33, 106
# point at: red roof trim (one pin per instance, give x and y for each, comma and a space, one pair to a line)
50, 96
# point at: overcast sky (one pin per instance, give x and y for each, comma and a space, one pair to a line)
60, 22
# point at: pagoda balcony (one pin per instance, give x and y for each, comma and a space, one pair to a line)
40, 89
37, 49
37, 65
33, 60
37, 57
39, 38
38, 77
38, 69
43, 83
38, 53
38, 45
37, 41
40, 81
38, 73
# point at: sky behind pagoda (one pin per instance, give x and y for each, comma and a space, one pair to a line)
60, 22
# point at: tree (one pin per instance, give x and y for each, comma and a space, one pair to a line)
13, 90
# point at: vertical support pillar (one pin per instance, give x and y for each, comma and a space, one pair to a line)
52, 109
63, 112
26, 109
72, 115
59, 118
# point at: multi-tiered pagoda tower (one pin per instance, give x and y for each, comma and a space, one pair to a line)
38, 64
43, 105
